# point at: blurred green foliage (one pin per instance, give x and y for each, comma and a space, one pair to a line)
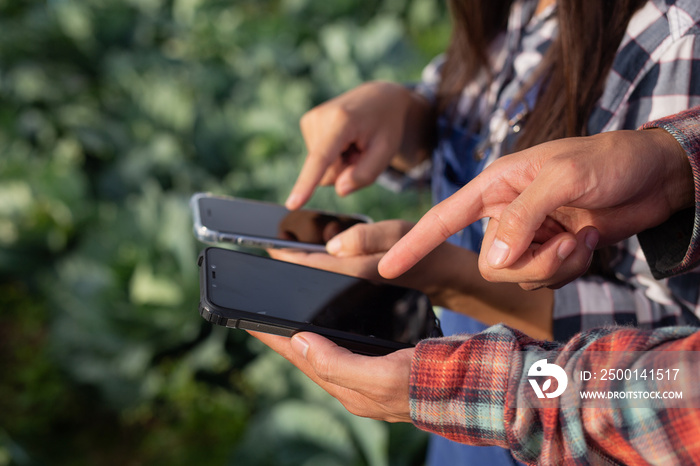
112, 113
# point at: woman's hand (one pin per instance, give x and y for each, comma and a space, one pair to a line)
367, 386
351, 139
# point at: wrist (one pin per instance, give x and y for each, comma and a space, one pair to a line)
456, 279
679, 186
418, 132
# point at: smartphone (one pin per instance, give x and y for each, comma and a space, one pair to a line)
222, 219
246, 291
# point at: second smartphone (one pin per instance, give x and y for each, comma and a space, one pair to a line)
223, 219
252, 292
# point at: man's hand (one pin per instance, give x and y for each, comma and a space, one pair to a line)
367, 386
552, 204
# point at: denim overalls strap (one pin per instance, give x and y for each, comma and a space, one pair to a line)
460, 155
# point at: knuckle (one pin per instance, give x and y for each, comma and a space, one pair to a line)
384, 147
331, 114
546, 267
439, 223
566, 168
542, 271
309, 120
362, 178
572, 268
360, 408
339, 115
532, 286
514, 217
355, 238
323, 366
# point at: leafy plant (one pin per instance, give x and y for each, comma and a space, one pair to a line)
112, 113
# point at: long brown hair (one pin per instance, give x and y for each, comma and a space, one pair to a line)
573, 71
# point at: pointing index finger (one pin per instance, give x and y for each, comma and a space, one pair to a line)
437, 225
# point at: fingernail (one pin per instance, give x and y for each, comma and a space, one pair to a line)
300, 345
344, 187
592, 238
293, 201
498, 253
565, 249
334, 245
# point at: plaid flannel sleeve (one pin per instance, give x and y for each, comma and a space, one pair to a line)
674, 247
474, 389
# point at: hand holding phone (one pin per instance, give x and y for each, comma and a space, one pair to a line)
369, 386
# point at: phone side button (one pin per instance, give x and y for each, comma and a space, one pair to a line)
265, 328
251, 243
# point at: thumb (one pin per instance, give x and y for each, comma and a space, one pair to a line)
367, 238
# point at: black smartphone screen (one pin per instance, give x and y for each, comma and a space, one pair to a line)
272, 221
244, 286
